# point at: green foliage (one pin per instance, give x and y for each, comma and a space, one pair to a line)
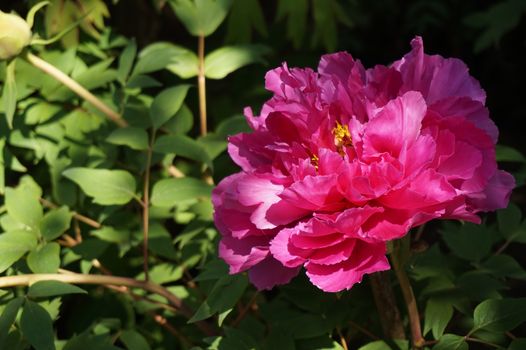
79, 192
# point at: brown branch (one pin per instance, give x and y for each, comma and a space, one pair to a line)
146, 207
385, 301
79, 217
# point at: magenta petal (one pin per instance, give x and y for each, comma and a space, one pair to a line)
367, 258
242, 254
270, 273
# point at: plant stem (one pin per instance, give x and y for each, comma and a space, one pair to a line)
77, 278
385, 301
79, 217
76, 88
146, 207
201, 83
409, 297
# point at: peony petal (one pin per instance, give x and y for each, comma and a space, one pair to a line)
270, 272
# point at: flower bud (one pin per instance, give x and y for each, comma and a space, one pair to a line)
15, 34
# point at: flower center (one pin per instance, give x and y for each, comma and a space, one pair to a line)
314, 161
342, 137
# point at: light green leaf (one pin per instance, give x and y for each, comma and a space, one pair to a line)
134, 340
14, 245
183, 146
451, 342
437, 316
201, 17
224, 296
168, 192
110, 234
107, 187
37, 326
9, 93
45, 259
499, 315
41, 112
225, 60
45, 289
7, 318
167, 103
164, 273
23, 206
126, 61
132, 137
164, 55
55, 223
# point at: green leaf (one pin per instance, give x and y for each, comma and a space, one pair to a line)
126, 60
245, 15
182, 122
499, 315
183, 146
451, 342
509, 222
45, 259
107, 187
168, 192
37, 326
224, 295
503, 265
55, 223
223, 61
201, 17
23, 206
14, 245
167, 103
382, 345
7, 318
437, 316
45, 289
296, 11
164, 273
135, 138
110, 234
518, 344
164, 55
134, 340
460, 240
86, 341
233, 125
508, 154
9, 93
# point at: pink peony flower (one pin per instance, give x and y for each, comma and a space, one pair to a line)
344, 159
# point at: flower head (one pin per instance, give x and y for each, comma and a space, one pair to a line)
344, 159
15, 34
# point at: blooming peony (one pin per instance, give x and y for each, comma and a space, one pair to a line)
344, 159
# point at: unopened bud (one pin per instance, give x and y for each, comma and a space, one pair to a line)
15, 34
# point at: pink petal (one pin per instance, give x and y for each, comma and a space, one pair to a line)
270, 272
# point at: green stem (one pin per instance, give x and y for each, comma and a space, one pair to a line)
201, 83
146, 206
75, 87
409, 297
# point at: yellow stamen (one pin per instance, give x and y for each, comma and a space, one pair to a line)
342, 136
314, 161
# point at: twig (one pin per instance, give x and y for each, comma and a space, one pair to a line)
175, 172
201, 83
385, 301
409, 297
244, 311
146, 206
475, 340
342, 339
79, 217
503, 247
163, 322
76, 88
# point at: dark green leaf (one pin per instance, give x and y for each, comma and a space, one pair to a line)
437, 316
518, 344
107, 187
168, 192
504, 266
134, 138
296, 11
509, 154
227, 59
167, 103
7, 318
182, 122
37, 326
451, 342
45, 259
55, 223
245, 15
126, 60
183, 146
224, 296
460, 240
134, 340
500, 315
45, 289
